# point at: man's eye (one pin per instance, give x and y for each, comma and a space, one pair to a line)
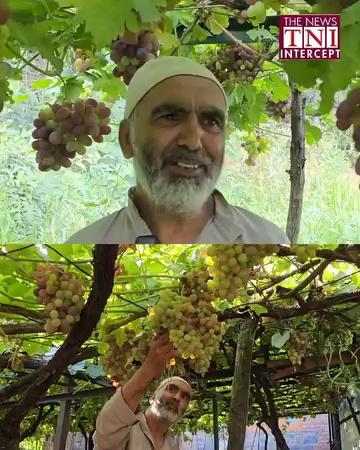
212, 122
169, 116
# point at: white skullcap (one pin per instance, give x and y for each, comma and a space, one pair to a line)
159, 69
172, 379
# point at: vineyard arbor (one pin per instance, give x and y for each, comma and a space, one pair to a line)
68, 43
291, 346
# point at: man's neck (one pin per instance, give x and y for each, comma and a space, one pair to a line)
157, 427
172, 228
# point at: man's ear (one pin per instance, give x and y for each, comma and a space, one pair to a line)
125, 139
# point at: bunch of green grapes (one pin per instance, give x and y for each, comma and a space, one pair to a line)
62, 295
254, 144
297, 346
118, 360
347, 114
84, 59
132, 51
62, 131
237, 63
304, 252
278, 109
230, 266
192, 322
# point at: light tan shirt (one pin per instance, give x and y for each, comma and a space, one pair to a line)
230, 224
118, 428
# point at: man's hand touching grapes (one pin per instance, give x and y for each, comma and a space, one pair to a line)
160, 352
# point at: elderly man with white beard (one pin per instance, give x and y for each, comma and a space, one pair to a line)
122, 426
174, 130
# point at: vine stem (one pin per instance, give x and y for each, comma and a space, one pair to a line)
273, 132
232, 37
28, 63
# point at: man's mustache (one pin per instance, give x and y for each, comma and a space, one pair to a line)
171, 405
193, 157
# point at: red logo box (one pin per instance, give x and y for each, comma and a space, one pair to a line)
309, 36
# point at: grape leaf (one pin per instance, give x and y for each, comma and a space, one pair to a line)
312, 133
42, 84
104, 19
111, 86
280, 88
94, 370
167, 40
259, 34
37, 36
278, 340
147, 9
72, 89
217, 21
258, 309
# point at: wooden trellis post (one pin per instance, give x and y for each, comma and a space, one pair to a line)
241, 384
297, 164
63, 422
216, 423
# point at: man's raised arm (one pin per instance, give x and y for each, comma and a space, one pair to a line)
116, 418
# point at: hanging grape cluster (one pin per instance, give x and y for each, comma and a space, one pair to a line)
304, 252
278, 109
118, 360
347, 114
62, 131
62, 295
84, 59
297, 346
236, 63
231, 266
255, 145
191, 319
132, 51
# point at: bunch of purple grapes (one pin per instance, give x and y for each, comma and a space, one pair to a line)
132, 51
278, 109
62, 131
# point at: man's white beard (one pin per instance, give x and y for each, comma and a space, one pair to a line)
162, 411
181, 197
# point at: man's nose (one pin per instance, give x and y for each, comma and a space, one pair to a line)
177, 397
191, 133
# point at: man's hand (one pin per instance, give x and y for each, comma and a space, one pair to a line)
161, 350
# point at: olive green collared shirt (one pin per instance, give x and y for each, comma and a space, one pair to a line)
119, 428
230, 224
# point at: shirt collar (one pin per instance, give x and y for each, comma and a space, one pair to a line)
222, 227
139, 224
